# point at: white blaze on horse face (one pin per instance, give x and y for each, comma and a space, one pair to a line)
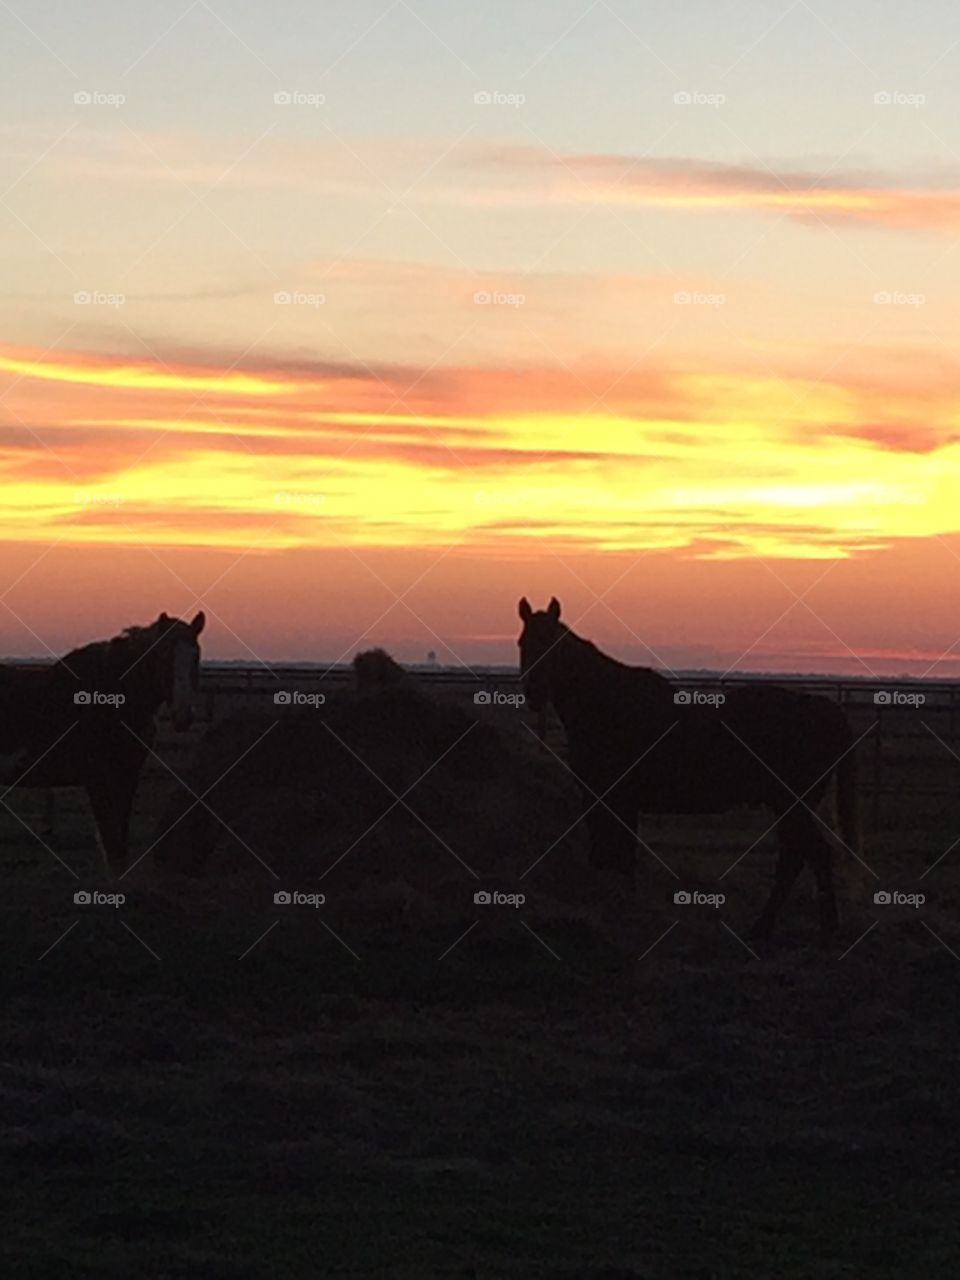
181, 710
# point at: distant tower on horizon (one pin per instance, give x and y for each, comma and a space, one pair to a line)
432, 658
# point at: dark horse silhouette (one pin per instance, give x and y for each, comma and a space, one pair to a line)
88, 720
375, 671
635, 750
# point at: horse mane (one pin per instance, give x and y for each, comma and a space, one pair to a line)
641, 672
118, 651
654, 680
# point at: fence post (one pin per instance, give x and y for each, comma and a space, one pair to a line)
877, 767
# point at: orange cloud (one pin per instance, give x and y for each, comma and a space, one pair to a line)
134, 452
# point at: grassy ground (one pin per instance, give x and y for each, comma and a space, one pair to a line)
404, 1084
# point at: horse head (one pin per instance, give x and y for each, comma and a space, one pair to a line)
176, 655
539, 644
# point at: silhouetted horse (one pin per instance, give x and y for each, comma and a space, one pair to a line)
631, 744
88, 720
375, 671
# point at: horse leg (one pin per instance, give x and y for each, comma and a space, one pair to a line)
789, 864
611, 824
112, 801
820, 857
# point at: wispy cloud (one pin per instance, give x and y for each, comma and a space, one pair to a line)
484, 172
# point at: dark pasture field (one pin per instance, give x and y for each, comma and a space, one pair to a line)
403, 1083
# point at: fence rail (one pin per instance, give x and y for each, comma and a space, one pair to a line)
884, 698
911, 726
908, 742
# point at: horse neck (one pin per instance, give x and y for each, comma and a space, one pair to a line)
119, 665
589, 685
581, 677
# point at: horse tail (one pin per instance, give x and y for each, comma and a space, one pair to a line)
846, 777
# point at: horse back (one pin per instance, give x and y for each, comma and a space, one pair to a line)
25, 705
764, 745
761, 745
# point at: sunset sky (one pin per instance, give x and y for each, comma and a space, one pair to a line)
354, 322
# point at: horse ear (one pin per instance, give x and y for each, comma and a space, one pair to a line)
553, 608
524, 610
198, 623
163, 618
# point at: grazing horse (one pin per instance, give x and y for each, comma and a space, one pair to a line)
88, 720
636, 745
